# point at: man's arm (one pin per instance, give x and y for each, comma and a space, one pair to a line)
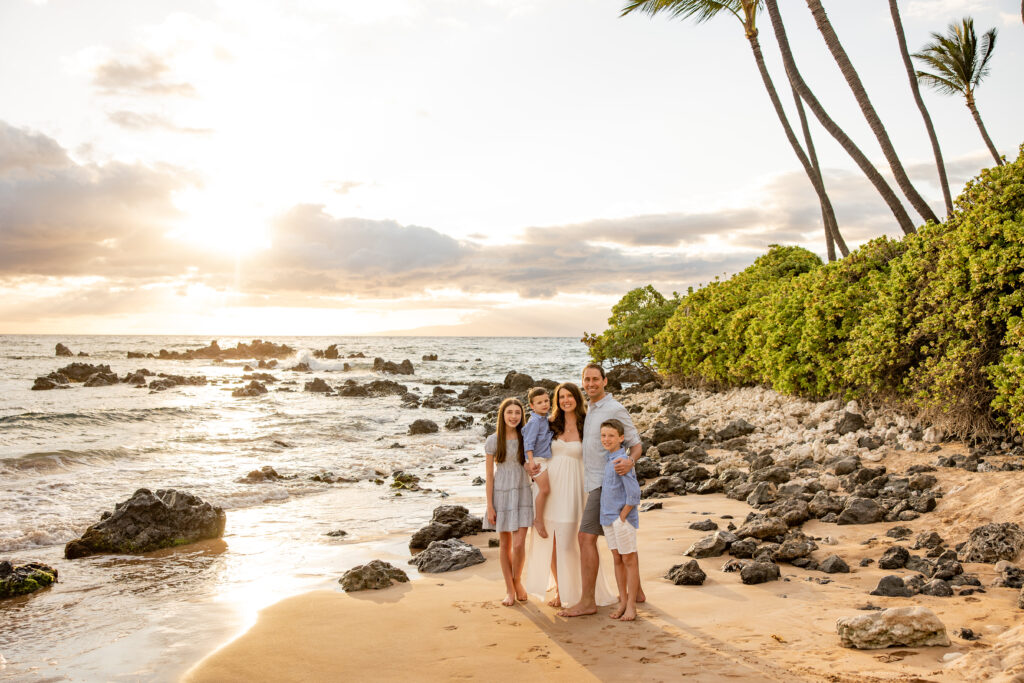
632, 440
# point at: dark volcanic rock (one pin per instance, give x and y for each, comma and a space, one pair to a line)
423, 427
25, 578
80, 372
374, 575
446, 556
711, 546
403, 368
518, 381
824, 503
253, 388
894, 558
646, 468
762, 494
993, 542
735, 429
149, 521
449, 521
792, 511
763, 527
459, 422
689, 574
892, 586
861, 511
833, 564
927, 539
760, 572
899, 532
743, 548
265, 473
796, 545
704, 525
850, 422
63, 351
683, 433
318, 386
937, 588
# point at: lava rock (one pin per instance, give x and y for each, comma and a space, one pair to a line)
688, 574
937, 588
824, 503
253, 388
518, 381
318, 386
735, 429
796, 545
711, 546
759, 572
63, 351
704, 525
927, 539
25, 578
763, 493
899, 532
903, 626
861, 511
374, 575
993, 542
833, 564
892, 586
265, 473
403, 368
763, 527
446, 556
459, 422
149, 521
743, 548
850, 422
894, 558
423, 427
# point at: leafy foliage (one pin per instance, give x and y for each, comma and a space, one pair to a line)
640, 314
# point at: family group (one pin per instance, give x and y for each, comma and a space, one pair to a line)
565, 478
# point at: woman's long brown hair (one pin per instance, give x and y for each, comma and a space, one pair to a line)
557, 418
499, 451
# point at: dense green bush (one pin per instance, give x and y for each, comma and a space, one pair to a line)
933, 320
636, 318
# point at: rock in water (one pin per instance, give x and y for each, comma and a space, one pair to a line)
447, 556
149, 521
423, 427
689, 574
902, 626
24, 578
63, 350
993, 542
374, 575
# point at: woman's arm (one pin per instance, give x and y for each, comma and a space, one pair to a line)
492, 515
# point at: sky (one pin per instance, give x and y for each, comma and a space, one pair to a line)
464, 167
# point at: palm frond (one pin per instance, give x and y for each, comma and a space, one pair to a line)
956, 62
698, 10
942, 85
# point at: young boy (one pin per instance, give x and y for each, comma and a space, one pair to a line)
537, 444
620, 494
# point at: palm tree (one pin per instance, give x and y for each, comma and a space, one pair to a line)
864, 102
745, 11
828, 124
943, 182
959, 62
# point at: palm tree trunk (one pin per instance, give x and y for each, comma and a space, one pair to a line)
828, 215
864, 102
766, 78
981, 127
915, 88
834, 130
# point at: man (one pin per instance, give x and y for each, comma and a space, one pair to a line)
602, 407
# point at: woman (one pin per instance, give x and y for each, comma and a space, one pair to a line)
557, 557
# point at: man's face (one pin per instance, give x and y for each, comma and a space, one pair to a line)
594, 384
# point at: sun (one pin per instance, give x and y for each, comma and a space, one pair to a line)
222, 221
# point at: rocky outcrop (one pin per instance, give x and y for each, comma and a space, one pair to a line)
63, 351
993, 542
25, 578
458, 423
448, 521
446, 556
901, 626
892, 586
403, 368
423, 427
373, 575
149, 521
257, 349
518, 382
759, 572
253, 388
318, 386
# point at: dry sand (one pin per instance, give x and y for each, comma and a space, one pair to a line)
452, 626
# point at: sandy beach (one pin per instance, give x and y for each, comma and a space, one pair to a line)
451, 626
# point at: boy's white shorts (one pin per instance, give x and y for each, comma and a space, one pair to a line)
621, 536
543, 462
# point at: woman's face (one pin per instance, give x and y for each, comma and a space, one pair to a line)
566, 401
513, 415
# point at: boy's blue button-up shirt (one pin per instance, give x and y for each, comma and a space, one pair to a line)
617, 491
537, 436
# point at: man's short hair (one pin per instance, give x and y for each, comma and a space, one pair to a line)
535, 392
616, 425
594, 366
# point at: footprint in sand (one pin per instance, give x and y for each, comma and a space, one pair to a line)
535, 652
450, 628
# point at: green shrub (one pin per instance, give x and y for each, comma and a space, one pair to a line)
637, 317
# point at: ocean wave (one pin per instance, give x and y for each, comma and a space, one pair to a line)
64, 459
98, 417
318, 364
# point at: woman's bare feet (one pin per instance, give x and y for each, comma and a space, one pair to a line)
579, 610
509, 600
542, 531
555, 601
521, 594
618, 611
628, 615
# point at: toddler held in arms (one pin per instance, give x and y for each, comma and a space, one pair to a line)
537, 442
620, 494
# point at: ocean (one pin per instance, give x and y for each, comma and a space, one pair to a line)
68, 455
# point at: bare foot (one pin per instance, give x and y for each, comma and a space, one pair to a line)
555, 601
640, 597
542, 531
628, 615
618, 612
509, 600
579, 610
521, 594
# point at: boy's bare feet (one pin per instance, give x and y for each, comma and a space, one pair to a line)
579, 610
618, 612
555, 601
509, 600
542, 531
628, 615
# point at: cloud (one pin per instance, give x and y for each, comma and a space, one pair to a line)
26, 153
344, 187
655, 230
145, 74
135, 121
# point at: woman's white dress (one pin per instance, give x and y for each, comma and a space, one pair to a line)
562, 515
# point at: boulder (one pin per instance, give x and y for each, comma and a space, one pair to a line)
318, 386
80, 372
763, 527
253, 388
850, 422
792, 511
423, 427
894, 558
44, 384
823, 503
704, 525
25, 578
900, 626
688, 574
833, 564
63, 351
928, 539
735, 429
993, 542
448, 521
796, 545
759, 572
101, 379
149, 521
861, 511
265, 473
892, 586
458, 423
937, 588
762, 494
429, 357
374, 575
646, 468
446, 556
743, 548
711, 546
403, 368
684, 433
518, 381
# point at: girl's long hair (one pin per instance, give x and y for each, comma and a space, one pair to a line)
557, 418
499, 451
